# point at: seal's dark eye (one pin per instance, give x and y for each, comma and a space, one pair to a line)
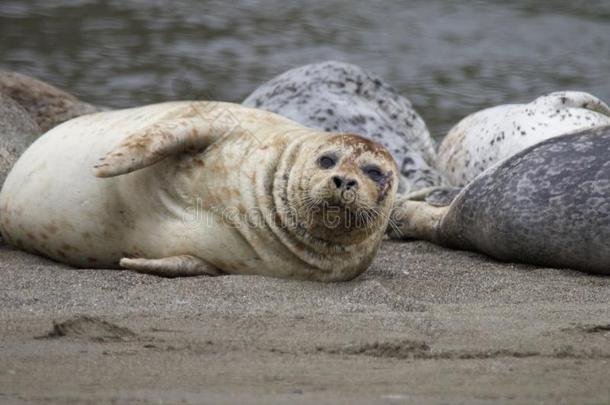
373, 172
327, 161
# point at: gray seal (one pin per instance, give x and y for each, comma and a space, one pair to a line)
17, 131
341, 97
29, 108
548, 205
48, 105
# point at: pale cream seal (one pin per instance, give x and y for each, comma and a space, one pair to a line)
188, 188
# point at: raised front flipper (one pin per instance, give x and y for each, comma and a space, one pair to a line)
174, 266
159, 141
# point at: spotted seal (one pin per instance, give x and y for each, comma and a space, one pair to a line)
488, 136
547, 205
189, 188
336, 96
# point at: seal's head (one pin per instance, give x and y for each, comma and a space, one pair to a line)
341, 188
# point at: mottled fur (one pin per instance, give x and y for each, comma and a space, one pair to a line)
335, 96
17, 131
488, 136
48, 105
547, 205
188, 188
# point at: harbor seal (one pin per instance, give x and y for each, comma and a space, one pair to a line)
335, 96
189, 188
547, 205
48, 105
488, 136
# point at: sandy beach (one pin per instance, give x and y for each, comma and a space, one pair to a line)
423, 325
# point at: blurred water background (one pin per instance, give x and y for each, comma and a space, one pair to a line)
450, 58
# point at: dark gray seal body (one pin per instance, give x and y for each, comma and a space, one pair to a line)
340, 97
547, 205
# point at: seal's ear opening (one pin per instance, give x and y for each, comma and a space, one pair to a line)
157, 142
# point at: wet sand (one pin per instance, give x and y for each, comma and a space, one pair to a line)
423, 325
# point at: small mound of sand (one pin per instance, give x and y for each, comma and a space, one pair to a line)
90, 328
404, 349
413, 349
597, 328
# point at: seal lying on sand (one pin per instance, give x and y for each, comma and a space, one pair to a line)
48, 105
335, 96
547, 205
215, 187
488, 136
17, 131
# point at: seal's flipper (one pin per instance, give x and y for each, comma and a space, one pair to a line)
174, 266
442, 196
418, 195
157, 142
415, 220
438, 196
574, 99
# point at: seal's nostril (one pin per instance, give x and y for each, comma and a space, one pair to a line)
338, 181
351, 184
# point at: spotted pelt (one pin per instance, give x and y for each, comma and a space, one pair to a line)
341, 97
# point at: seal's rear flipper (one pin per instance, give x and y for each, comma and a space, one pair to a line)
418, 195
159, 141
438, 196
442, 196
174, 266
415, 220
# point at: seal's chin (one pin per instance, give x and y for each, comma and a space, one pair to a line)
346, 198
325, 211
326, 197
338, 215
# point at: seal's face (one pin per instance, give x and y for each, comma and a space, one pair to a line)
346, 188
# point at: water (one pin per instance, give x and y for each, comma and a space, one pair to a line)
450, 59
